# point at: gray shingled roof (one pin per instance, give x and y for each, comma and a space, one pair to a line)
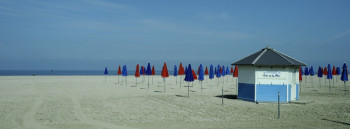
269, 57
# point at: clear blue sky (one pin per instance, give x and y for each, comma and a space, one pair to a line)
91, 34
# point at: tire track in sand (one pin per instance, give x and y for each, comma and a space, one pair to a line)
82, 117
29, 117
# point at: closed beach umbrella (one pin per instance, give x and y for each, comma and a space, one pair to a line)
148, 72
194, 75
105, 73
227, 71
223, 71
119, 73
206, 72
165, 73
344, 75
325, 72
235, 74
125, 74
201, 75
137, 72
175, 74
300, 76
306, 73
312, 73
329, 75
153, 73
338, 72
211, 72
231, 69
334, 73
181, 73
189, 77
218, 75
319, 74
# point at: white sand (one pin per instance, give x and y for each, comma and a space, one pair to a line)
87, 102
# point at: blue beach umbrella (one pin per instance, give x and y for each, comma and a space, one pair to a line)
218, 75
338, 71
306, 71
106, 73
201, 75
175, 74
223, 71
227, 71
148, 72
329, 75
311, 71
215, 71
211, 72
319, 74
344, 74
189, 77
125, 74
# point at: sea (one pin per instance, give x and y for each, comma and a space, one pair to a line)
63, 72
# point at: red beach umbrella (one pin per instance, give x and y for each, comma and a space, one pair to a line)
181, 69
325, 71
235, 73
194, 75
119, 73
137, 72
300, 74
165, 73
153, 71
334, 72
206, 71
143, 70
119, 70
198, 71
231, 69
220, 70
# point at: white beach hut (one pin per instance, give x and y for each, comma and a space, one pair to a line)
265, 73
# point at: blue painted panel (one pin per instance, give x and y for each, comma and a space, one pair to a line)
246, 91
269, 93
289, 92
297, 92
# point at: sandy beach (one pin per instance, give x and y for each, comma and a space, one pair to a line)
87, 102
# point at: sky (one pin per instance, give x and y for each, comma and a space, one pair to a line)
94, 34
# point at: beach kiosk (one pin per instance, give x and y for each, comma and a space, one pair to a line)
265, 73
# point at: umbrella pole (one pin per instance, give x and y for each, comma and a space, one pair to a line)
136, 81
152, 80
223, 80
180, 81
329, 84
118, 79
319, 80
222, 95
164, 84
201, 86
126, 81
148, 82
176, 81
188, 91
105, 78
345, 87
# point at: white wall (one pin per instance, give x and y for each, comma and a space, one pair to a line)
246, 74
267, 75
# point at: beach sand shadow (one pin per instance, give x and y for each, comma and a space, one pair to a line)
228, 96
337, 122
180, 96
157, 91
